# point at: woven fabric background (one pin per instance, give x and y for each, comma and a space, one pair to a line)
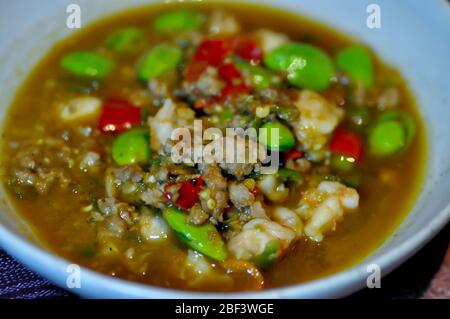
17, 282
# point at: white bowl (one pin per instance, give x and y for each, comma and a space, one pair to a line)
414, 37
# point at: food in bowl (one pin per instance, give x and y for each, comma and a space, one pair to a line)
88, 148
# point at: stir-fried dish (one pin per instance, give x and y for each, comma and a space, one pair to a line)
88, 148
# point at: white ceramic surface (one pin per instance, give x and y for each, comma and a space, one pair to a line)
414, 37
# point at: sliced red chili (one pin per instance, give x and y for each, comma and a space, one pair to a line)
247, 48
211, 52
118, 116
189, 193
347, 143
230, 73
234, 82
233, 90
292, 155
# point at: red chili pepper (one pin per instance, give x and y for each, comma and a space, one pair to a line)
292, 155
234, 82
211, 52
230, 73
232, 90
118, 116
347, 143
189, 193
248, 49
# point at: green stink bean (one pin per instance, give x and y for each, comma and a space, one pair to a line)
357, 63
259, 77
132, 147
125, 39
178, 21
205, 238
393, 131
405, 119
306, 66
387, 138
159, 59
87, 64
269, 133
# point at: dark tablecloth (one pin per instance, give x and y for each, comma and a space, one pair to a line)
17, 282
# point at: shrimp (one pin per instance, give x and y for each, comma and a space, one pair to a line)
287, 218
153, 228
197, 263
168, 118
318, 119
256, 235
199, 271
323, 207
240, 195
